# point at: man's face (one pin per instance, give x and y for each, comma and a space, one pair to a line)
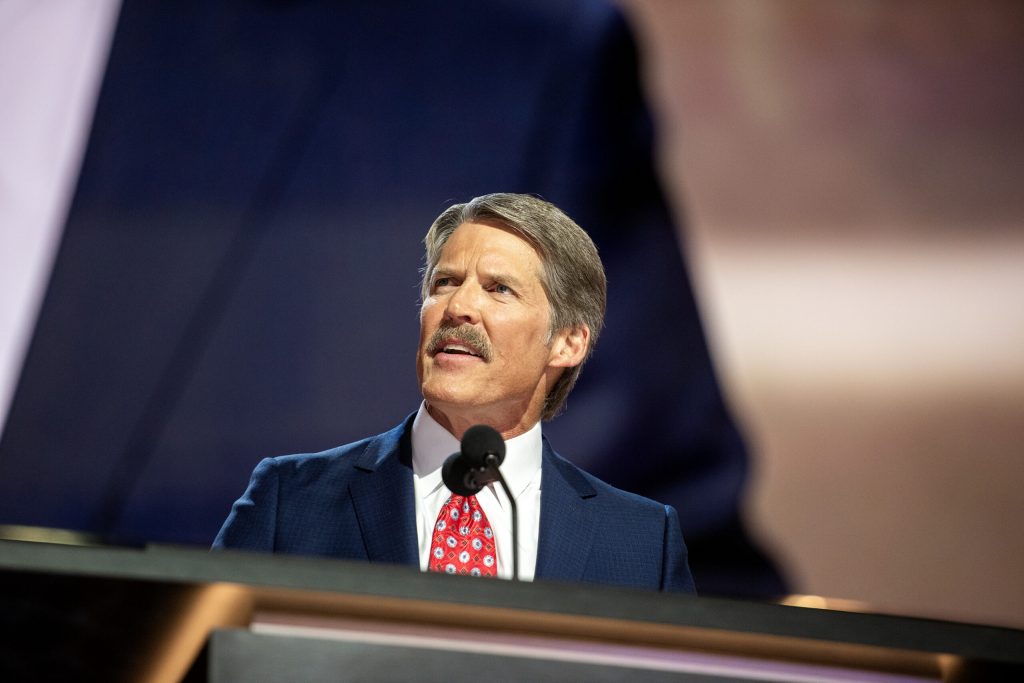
484, 352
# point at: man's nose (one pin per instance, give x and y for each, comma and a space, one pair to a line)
463, 306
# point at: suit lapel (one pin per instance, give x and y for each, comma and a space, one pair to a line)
567, 520
384, 499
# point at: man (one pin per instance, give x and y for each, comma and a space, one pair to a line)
513, 302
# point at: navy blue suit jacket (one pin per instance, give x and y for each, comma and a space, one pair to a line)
357, 502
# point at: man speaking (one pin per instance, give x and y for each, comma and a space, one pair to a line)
513, 300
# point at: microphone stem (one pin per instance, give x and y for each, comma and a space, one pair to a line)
515, 525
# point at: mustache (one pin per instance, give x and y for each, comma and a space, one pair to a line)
464, 334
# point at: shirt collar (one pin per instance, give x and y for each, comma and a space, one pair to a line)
432, 444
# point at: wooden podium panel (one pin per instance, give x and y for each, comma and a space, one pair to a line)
167, 614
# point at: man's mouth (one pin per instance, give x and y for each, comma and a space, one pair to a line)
458, 349
464, 341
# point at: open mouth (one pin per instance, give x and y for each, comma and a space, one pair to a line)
458, 350
462, 342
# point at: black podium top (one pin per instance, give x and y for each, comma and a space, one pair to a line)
94, 613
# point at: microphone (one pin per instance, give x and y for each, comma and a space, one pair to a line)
477, 464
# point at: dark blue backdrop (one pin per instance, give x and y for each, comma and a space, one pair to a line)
238, 275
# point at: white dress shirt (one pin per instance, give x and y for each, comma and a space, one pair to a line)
432, 444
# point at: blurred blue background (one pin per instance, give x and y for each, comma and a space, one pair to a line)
237, 273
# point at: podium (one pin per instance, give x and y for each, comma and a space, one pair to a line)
175, 614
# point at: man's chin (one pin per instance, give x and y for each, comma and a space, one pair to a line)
444, 398
451, 396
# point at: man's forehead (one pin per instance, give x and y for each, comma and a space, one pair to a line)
490, 243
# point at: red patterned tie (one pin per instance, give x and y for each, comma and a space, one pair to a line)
463, 540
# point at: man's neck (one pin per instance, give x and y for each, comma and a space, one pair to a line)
457, 423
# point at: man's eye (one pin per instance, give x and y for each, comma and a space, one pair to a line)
502, 289
442, 282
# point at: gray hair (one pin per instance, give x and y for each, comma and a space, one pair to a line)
572, 274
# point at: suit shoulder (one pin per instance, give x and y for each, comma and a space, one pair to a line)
322, 458
368, 454
602, 490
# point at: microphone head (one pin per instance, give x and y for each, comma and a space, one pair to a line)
476, 463
454, 472
479, 441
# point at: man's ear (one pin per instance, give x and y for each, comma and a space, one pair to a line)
569, 347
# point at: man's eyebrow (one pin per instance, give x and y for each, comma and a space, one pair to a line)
443, 270
446, 271
505, 279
